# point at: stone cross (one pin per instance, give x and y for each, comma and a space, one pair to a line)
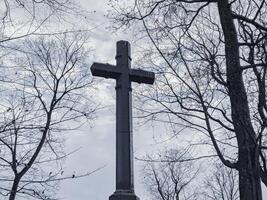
124, 75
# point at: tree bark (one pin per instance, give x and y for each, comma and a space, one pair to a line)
248, 153
14, 188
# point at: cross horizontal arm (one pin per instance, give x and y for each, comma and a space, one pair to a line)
142, 76
105, 70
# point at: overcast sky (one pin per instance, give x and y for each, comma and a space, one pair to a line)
97, 142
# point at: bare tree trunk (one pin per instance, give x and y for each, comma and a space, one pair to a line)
248, 154
14, 188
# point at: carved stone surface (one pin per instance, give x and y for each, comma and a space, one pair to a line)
124, 75
123, 196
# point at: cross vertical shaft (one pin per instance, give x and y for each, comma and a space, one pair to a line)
124, 136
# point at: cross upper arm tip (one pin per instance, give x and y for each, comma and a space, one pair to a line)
104, 70
142, 76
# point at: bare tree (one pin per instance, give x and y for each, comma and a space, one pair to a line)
210, 56
174, 175
45, 93
222, 184
170, 177
21, 18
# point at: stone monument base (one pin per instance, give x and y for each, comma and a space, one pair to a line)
123, 195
